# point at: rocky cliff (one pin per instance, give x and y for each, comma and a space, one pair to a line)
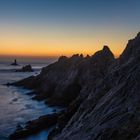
102, 94
111, 110
61, 82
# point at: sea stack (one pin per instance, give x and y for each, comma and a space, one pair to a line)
15, 63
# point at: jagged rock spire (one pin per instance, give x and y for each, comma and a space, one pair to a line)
132, 49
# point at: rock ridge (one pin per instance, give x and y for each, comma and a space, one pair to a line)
111, 109
102, 94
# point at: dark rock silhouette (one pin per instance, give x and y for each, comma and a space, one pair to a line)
61, 82
111, 110
131, 50
102, 94
27, 68
15, 63
34, 126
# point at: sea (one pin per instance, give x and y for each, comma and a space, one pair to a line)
16, 105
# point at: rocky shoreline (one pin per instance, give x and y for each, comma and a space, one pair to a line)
101, 94
34, 126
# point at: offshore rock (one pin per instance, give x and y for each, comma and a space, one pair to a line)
15, 63
27, 68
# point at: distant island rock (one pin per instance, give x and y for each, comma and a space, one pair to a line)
15, 63
27, 68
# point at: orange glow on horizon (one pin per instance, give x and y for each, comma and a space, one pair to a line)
44, 55
46, 43
56, 47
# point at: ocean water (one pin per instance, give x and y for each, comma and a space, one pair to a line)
16, 106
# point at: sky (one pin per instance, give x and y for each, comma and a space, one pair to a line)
48, 28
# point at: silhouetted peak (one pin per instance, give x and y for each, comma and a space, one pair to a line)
62, 58
138, 35
106, 48
136, 39
105, 52
81, 55
87, 56
132, 49
75, 56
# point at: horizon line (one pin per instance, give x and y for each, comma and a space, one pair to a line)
47, 56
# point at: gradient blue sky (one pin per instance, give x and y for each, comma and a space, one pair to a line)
66, 26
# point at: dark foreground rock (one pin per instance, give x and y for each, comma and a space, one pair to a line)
102, 94
111, 110
64, 118
35, 126
27, 68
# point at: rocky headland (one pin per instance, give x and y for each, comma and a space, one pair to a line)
101, 93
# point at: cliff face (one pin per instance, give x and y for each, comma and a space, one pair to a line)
61, 82
102, 94
111, 111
